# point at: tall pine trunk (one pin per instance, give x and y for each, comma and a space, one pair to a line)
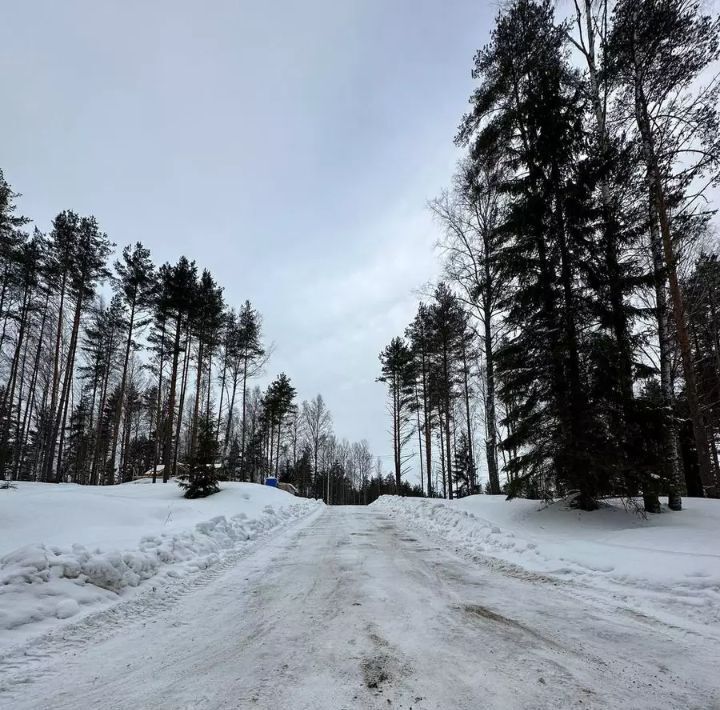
196, 409
183, 387
170, 419
65, 392
228, 427
420, 441
158, 411
33, 389
244, 417
654, 179
117, 414
220, 406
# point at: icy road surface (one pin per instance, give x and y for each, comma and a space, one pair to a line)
349, 609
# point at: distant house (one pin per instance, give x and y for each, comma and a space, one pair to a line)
180, 467
288, 488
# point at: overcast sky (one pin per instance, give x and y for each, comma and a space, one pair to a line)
290, 147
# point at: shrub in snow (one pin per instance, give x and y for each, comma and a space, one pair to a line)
201, 484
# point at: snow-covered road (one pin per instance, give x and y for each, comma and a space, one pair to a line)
347, 608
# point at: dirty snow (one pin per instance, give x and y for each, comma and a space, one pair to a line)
359, 608
64, 549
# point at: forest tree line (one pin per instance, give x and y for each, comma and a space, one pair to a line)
573, 345
114, 368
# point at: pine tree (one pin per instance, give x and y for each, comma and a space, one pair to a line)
206, 324
419, 336
658, 51
11, 236
29, 263
251, 355
397, 373
135, 280
179, 284
88, 249
101, 344
278, 402
448, 328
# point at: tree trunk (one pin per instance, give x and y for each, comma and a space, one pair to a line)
670, 433
63, 427
3, 293
18, 421
244, 416
209, 384
32, 390
58, 340
228, 427
9, 394
196, 410
420, 442
678, 308
468, 421
442, 454
170, 419
97, 449
277, 457
220, 406
125, 449
183, 388
158, 413
447, 385
121, 394
65, 393
490, 415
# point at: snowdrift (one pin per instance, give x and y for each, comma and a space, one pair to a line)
64, 547
668, 562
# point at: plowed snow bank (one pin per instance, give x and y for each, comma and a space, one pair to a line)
668, 562
65, 547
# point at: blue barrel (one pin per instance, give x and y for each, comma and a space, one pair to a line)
271, 482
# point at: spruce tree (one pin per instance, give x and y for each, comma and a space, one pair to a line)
527, 114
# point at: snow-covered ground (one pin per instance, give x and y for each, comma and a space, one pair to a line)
428, 605
667, 565
354, 608
65, 549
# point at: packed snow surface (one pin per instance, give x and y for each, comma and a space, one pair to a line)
669, 562
65, 548
358, 608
